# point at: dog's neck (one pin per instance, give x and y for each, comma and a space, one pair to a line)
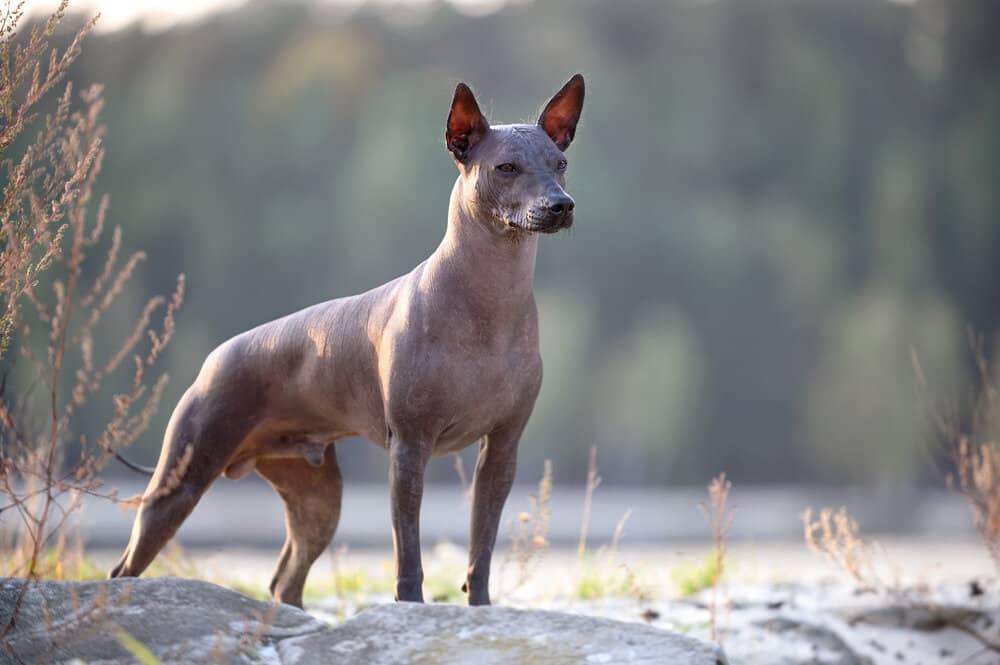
493, 273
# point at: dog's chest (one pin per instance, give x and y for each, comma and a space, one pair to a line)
458, 386
474, 403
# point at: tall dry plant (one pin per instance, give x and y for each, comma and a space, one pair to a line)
835, 535
978, 472
41, 185
974, 445
593, 481
530, 531
52, 311
719, 515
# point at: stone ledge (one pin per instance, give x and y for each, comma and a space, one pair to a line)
185, 621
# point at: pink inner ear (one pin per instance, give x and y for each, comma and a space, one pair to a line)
464, 132
562, 113
560, 127
466, 124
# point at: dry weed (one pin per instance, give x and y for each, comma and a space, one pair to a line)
719, 516
529, 532
463, 479
51, 311
593, 480
978, 470
972, 442
835, 535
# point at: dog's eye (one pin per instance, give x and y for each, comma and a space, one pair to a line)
507, 168
561, 166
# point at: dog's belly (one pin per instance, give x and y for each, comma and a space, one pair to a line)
283, 439
454, 439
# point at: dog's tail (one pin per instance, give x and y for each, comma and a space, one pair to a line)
146, 470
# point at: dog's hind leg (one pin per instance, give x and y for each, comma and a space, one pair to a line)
192, 457
312, 509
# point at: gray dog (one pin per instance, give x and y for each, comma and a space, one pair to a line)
424, 365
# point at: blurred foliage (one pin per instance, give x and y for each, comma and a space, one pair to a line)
696, 576
777, 199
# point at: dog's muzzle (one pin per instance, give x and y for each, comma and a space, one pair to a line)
553, 217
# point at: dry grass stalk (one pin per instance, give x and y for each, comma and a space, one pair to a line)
172, 482
593, 480
51, 311
835, 535
463, 479
530, 531
619, 530
249, 637
85, 619
250, 641
53, 173
978, 474
974, 444
606, 575
719, 516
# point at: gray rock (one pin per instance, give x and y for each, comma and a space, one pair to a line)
454, 635
186, 621
179, 621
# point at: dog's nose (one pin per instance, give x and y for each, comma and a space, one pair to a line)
561, 206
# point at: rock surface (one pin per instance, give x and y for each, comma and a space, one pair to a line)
179, 621
185, 621
455, 635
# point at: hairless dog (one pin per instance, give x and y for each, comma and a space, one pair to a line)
424, 365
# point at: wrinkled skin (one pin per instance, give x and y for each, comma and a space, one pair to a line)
424, 365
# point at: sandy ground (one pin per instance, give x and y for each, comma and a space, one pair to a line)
910, 562
937, 601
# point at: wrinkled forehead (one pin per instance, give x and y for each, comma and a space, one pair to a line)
523, 142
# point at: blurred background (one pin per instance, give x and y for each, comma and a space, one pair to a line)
780, 204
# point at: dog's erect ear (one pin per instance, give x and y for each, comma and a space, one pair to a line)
466, 123
563, 112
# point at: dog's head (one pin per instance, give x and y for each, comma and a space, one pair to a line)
514, 175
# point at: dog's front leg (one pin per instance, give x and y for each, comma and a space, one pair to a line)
493, 479
407, 461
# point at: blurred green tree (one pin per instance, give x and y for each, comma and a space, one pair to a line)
776, 198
